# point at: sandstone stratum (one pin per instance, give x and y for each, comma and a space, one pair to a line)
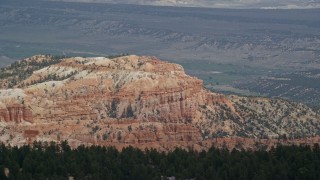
136, 100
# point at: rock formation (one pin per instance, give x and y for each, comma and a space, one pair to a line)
133, 100
16, 113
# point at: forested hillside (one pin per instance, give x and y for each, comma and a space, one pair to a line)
52, 161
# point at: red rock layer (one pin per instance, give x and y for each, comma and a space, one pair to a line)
16, 113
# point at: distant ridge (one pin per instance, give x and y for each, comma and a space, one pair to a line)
242, 4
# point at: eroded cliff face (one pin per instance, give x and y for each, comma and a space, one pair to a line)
128, 100
16, 113
133, 87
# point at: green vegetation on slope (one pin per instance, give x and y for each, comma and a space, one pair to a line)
13, 75
18, 71
51, 161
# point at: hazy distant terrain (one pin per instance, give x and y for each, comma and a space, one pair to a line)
264, 4
5, 60
227, 48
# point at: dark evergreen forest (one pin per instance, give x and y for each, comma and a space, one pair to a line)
53, 161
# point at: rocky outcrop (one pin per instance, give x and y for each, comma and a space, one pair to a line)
16, 113
140, 100
142, 88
